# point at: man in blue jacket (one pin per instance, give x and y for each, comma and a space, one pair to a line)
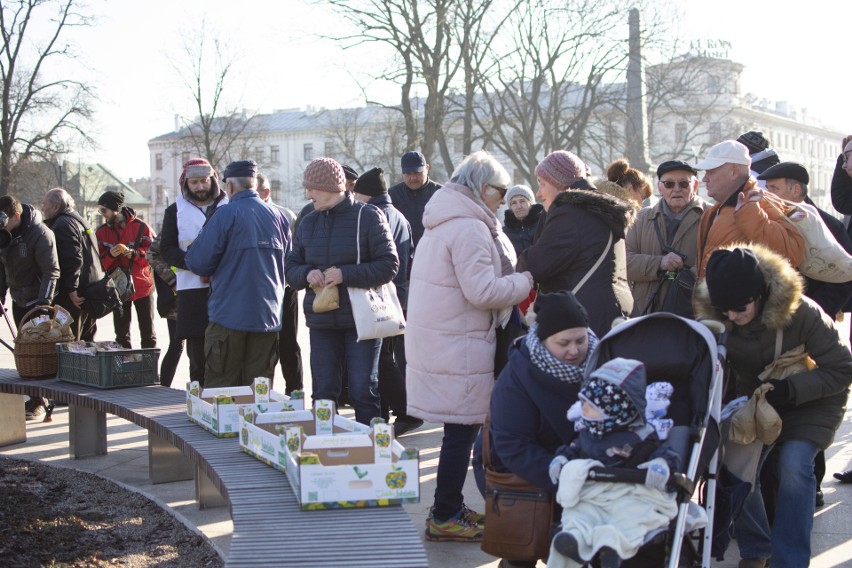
241, 249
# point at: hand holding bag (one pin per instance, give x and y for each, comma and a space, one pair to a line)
377, 311
518, 515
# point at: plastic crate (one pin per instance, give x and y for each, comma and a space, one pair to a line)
108, 369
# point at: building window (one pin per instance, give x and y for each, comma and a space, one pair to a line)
184, 158
158, 161
308, 152
157, 194
273, 154
329, 149
258, 155
680, 132
275, 188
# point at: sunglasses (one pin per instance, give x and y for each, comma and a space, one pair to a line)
683, 184
503, 190
738, 309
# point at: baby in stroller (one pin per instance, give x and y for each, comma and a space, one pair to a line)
612, 520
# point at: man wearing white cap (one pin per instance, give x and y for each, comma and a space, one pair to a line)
740, 215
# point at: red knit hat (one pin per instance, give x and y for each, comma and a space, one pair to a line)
561, 168
325, 174
196, 167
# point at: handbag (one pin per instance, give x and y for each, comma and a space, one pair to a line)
123, 277
677, 298
518, 515
377, 311
824, 260
102, 297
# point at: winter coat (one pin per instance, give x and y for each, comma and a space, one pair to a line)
528, 418
327, 238
817, 397
242, 249
456, 293
411, 203
831, 297
521, 232
31, 267
841, 200
755, 222
400, 230
575, 234
644, 251
126, 232
191, 302
76, 247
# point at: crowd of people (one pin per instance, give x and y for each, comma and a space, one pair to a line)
500, 317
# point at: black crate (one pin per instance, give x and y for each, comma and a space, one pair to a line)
108, 369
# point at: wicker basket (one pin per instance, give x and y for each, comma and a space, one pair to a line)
37, 359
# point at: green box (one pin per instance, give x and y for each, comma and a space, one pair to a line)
108, 369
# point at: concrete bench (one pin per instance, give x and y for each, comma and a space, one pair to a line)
269, 527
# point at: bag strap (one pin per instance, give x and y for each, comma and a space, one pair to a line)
595, 267
486, 443
136, 243
667, 248
358, 236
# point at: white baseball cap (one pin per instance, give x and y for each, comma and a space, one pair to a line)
727, 152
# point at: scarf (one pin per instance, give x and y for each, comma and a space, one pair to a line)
546, 362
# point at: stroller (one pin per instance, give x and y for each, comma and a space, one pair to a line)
684, 353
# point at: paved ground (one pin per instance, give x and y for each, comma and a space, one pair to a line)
126, 463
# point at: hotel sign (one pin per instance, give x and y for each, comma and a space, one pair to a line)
714, 48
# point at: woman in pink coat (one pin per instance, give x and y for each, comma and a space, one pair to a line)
463, 286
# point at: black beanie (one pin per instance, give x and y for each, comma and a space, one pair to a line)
372, 183
734, 278
754, 141
558, 311
350, 173
112, 200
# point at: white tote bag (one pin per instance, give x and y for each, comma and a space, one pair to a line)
377, 311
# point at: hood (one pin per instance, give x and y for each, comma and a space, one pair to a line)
617, 214
784, 282
611, 188
455, 201
511, 222
29, 216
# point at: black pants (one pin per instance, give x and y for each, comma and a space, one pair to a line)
145, 313
289, 352
195, 353
391, 380
168, 366
84, 325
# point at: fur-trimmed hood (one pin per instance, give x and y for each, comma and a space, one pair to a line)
611, 188
510, 221
617, 214
784, 283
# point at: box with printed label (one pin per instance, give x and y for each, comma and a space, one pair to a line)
356, 466
217, 409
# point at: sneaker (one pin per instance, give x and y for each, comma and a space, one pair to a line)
457, 529
405, 424
472, 516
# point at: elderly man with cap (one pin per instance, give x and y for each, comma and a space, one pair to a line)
324, 254
199, 197
739, 214
241, 250
760, 296
123, 242
371, 188
414, 192
663, 240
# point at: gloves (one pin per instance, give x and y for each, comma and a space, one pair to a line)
556, 468
658, 473
779, 396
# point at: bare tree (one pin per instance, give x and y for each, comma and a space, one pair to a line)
220, 129
38, 113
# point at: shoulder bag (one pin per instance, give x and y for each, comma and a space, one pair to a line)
377, 311
518, 515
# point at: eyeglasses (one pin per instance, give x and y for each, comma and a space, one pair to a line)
503, 190
102, 209
683, 184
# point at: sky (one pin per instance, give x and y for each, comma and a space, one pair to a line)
798, 54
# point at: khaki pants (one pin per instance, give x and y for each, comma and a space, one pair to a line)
235, 358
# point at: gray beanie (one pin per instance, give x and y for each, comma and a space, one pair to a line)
522, 190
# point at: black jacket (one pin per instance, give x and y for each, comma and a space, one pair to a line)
401, 232
327, 238
411, 204
31, 267
522, 232
77, 249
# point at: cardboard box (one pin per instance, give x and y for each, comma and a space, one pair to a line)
217, 410
346, 469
